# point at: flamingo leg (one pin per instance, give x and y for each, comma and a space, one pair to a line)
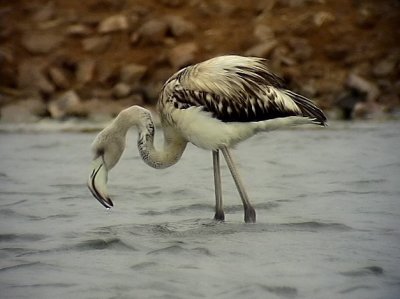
249, 212
219, 210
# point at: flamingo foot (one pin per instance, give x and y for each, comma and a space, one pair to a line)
250, 215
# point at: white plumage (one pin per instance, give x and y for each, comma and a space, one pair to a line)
214, 105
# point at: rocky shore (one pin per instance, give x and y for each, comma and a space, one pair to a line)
90, 59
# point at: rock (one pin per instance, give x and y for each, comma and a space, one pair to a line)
183, 55
293, 3
7, 68
31, 77
101, 93
134, 38
6, 56
173, 3
263, 33
263, 49
227, 8
68, 103
360, 110
85, 71
280, 56
58, 77
44, 13
302, 25
98, 110
322, 18
364, 110
107, 73
152, 32
96, 44
363, 69
301, 49
151, 91
367, 17
384, 67
26, 111
41, 42
178, 26
78, 30
336, 51
113, 23
346, 102
121, 90
131, 73
362, 85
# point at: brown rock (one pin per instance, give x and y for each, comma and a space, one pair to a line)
364, 110
183, 55
178, 26
113, 23
58, 77
101, 93
44, 12
153, 32
367, 17
364, 86
85, 71
26, 111
31, 76
323, 17
6, 56
293, 3
263, 49
121, 90
78, 30
131, 73
7, 69
96, 44
134, 38
263, 33
301, 49
360, 110
337, 51
41, 42
384, 67
107, 73
98, 110
363, 69
65, 104
280, 57
173, 3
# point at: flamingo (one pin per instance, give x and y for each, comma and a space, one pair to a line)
214, 105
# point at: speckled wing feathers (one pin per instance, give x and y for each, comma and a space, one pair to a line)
236, 89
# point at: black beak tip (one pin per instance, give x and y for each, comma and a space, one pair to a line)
106, 202
110, 203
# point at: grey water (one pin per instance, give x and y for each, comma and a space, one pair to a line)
328, 219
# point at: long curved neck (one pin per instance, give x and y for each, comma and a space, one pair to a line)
173, 147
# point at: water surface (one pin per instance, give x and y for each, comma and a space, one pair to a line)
328, 219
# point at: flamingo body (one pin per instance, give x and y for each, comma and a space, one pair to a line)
214, 105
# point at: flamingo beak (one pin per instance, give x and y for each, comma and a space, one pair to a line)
97, 182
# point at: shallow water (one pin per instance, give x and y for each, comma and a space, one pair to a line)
328, 219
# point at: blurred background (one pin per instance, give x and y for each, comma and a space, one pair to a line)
89, 59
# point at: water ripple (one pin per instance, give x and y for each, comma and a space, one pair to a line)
101, 244
18, 266
179, 250
21, 237
366, 271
